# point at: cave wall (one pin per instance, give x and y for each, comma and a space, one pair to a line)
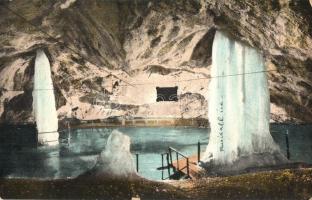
282, 30
101, 42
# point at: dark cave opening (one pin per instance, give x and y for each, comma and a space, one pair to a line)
167, 94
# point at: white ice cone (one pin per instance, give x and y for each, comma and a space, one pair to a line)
44, 102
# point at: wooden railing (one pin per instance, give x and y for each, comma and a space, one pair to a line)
169, 159
177, 168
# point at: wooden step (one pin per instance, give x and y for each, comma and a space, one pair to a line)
194, 170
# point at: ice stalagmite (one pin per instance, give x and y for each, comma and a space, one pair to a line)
115, 161
239, 109
44, 101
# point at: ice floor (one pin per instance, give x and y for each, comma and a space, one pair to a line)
78, 151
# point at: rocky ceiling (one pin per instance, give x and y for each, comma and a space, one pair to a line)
139, 41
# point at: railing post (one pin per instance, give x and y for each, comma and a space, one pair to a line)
287, 145
187, 167
137, 161
68, 129
162, 166
171, 163
170, 157
167, 155
198, 151
177, 160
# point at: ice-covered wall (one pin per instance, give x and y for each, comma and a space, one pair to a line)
239, 108
44, 101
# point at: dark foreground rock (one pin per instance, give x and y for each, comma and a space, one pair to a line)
282, 184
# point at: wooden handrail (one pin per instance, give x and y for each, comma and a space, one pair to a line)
177, 155
178, 168
172, 149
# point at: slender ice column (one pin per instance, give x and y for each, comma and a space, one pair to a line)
239, 109
44, 101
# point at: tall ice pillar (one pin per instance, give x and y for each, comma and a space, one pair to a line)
44, 102
239, 109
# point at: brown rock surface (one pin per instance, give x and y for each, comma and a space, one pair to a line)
149, 44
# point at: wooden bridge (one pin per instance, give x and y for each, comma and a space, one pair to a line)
180, 166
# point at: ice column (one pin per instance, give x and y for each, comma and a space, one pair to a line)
239, 109
44, 101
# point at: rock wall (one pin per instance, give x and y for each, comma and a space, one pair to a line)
148, 44
282, 30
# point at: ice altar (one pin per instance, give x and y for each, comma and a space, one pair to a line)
115, 161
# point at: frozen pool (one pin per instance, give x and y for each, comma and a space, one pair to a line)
78, 151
